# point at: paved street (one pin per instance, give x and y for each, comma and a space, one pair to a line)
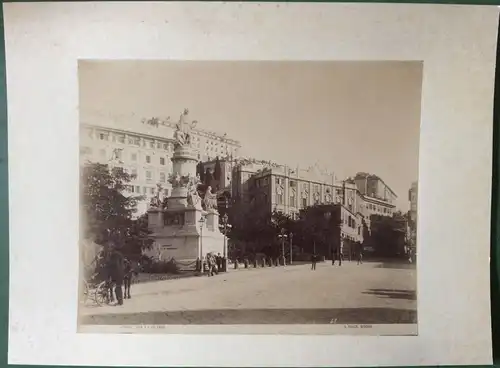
371, 293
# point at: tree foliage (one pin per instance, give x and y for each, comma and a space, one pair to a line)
208, 179
259, 230
388, 234
200, 171
319, 228
217, 172
107, 213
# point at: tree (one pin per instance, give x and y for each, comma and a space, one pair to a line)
106, 211
387, 234
251, 229
200, 171
217, 172
318, 228
137, 237
366, 231
209, 178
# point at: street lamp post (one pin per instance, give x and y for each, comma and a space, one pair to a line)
328, 216
202, 223
291, 246
283, 246
225, 226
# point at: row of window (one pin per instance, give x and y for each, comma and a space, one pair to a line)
380, 209
280, 200
118, 155
133, 157
137, 189
293, 184
136, 141
217, 147
149, 175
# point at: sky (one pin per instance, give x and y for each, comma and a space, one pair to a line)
345, 116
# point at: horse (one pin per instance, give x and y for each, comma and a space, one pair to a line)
130, 269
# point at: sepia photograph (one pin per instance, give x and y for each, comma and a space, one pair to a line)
249, 193
280, 178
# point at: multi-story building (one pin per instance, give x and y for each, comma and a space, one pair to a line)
378, 196
413, 213
286, 190
226, 168
144, 149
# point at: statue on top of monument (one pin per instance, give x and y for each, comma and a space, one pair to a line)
183, 129
210, 199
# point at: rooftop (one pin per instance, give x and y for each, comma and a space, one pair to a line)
364, 175
154, 126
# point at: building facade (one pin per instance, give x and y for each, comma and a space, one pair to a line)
145, 150
288, 190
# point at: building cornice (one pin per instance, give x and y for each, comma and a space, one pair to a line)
196, 131
129, 132
377, 201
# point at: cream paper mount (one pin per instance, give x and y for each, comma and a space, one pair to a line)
46, 41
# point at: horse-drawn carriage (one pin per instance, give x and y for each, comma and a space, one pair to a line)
97, 291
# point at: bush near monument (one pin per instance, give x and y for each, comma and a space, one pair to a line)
108, 213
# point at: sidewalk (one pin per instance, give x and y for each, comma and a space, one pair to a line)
192, 282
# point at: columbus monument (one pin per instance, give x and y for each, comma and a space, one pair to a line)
185, 225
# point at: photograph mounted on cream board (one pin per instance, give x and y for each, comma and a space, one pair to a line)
281, 176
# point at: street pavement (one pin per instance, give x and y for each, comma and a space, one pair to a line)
371, 293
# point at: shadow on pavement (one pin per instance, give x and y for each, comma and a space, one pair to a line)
397, 265
258, 316
393, 294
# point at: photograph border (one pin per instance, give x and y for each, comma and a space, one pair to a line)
4, 219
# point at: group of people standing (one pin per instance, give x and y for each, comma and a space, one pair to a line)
215, 264
336, 255
117, 271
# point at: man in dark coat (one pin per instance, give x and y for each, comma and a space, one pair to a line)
360, 253
314, 260
337, 255
116, 270
218, 259
129, 273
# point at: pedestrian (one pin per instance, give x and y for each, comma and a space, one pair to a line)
128, 276
360, 253
219, 262
116, 271
210, 264
337, 255
314, 259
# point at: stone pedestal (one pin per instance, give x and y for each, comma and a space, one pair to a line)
178, 231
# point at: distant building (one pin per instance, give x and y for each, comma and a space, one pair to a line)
373, 186
413, 214
226, 167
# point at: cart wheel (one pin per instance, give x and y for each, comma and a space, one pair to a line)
101, 295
